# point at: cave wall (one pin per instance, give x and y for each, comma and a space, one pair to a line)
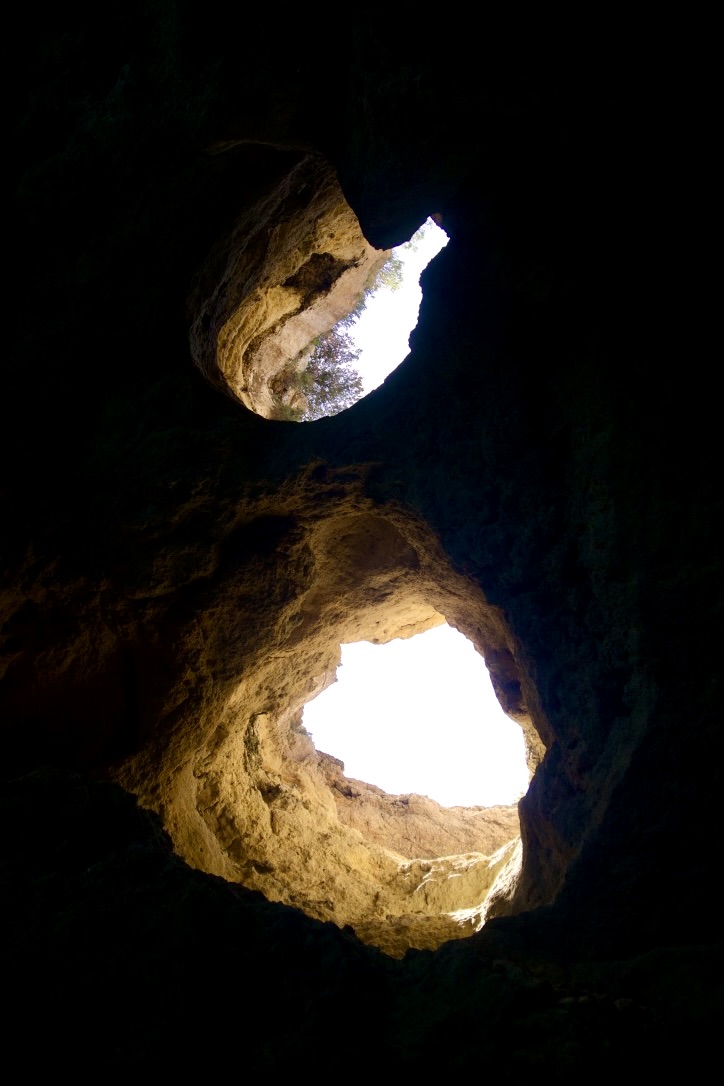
546, 455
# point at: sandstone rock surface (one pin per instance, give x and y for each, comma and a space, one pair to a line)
295, 264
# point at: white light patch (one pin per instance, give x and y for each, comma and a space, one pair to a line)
421, 716
382, 332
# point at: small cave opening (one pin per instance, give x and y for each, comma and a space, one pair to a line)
420, 715
299, 324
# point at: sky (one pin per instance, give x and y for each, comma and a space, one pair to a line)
421, 715
383, 330
418, 715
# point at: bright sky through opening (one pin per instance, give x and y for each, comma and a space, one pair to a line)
382, 331
421, 716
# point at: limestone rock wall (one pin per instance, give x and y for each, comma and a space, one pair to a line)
414, 825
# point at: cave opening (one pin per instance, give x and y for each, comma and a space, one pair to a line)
420, 715
301, 325
279, 811
368, 344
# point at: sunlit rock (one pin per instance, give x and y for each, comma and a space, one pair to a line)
295, 264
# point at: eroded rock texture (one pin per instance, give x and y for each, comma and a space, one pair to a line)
189, 884
295, 263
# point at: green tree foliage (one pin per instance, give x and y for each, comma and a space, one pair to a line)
415, 241
330, 382
388, 277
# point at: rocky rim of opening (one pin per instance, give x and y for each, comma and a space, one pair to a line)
245, 794
280, 288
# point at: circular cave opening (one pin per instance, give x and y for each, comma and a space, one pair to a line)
305, 321
420, 715
424, 771
401, 863
400, 866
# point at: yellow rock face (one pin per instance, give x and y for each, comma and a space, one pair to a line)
245, 794
286, 284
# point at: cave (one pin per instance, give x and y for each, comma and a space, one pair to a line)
186, 883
